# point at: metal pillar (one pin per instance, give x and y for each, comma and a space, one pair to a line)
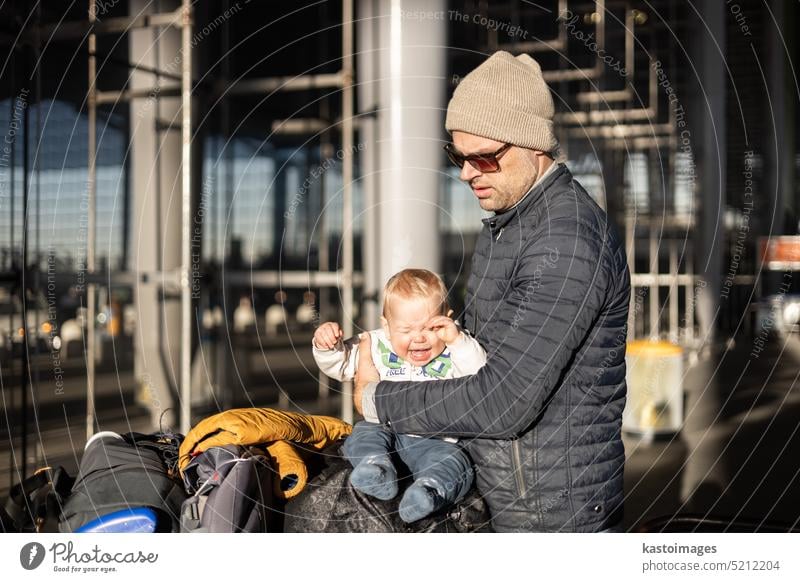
369, 57
347, 192
91, 184
408, 87
159, 218
186, 200
710, 160
708, 149
779, 145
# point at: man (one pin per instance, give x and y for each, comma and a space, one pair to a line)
548, 299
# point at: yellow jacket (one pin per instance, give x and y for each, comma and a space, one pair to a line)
264, 426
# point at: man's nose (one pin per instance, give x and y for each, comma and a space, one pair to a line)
468, 172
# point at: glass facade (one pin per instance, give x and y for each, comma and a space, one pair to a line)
57, 185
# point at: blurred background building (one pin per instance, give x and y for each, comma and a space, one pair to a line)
187, 190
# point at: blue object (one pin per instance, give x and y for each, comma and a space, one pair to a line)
139, 520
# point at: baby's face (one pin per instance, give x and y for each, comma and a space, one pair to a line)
407, 329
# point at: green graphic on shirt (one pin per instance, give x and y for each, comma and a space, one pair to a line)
439, 366
389, 358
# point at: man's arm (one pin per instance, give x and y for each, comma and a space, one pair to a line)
557, 295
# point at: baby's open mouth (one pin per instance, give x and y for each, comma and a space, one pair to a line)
419, 354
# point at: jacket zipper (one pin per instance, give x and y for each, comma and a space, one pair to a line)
517, 459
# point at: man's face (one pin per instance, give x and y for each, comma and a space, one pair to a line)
499, 191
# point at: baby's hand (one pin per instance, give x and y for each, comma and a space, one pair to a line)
445, 328
327, 335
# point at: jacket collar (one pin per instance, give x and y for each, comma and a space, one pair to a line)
527, 202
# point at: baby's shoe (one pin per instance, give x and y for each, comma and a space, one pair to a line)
419, 500
375, 476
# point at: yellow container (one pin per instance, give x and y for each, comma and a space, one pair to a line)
655, 388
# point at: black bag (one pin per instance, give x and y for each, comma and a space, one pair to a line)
330, 504
231, 490
36, 504
127, 471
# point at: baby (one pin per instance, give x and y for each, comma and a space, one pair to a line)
417, 341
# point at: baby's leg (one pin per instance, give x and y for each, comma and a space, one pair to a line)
367, 449
442, 475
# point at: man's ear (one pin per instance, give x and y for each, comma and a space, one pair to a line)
385, 325
543, 160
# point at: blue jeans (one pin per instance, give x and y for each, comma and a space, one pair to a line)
434, 462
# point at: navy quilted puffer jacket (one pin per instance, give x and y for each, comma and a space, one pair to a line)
548, 299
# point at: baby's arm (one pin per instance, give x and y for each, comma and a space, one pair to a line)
332, 358
466, 353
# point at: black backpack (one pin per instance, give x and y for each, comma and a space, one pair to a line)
330, 504
231, 489
124, 472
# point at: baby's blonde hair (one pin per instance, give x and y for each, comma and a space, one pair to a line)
414, 283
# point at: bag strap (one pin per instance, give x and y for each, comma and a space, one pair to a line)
36, 501
192, 514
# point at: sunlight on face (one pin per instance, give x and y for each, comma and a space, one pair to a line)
406, 327
497, 191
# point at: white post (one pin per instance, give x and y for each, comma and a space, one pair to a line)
91, 183
186, 192
156, 216
347, 193
403, 73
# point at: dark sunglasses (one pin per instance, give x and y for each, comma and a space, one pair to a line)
482, 162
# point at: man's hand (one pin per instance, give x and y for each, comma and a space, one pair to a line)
327, 335
444, 327
366, 371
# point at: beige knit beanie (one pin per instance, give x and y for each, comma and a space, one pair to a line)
505, 99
